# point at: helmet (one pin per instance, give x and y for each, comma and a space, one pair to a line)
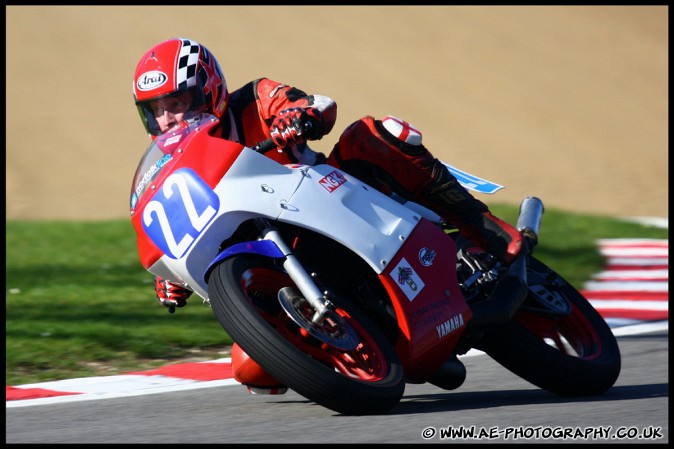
173, 67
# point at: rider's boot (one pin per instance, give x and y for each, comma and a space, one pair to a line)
447, 197
252, 376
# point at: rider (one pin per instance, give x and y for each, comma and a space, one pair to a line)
179, 77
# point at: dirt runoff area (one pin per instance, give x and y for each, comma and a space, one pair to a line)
568, 103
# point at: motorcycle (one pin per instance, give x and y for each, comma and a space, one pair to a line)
344, 294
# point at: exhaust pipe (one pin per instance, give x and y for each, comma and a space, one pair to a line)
529, 219
512, 290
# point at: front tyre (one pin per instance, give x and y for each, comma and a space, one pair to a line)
571, 354
369, 379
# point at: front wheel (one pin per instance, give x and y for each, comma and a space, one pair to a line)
573, 353
368, 379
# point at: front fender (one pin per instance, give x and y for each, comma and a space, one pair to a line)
265, 248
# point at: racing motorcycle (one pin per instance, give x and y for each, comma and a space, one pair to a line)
344, 294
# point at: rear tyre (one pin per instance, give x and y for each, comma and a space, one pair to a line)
571, 355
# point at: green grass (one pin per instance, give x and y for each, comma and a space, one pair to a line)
78, 302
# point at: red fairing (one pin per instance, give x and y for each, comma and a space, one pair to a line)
422, 283
248, 372
212, 160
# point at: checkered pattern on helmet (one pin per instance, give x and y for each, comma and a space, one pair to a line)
187, 64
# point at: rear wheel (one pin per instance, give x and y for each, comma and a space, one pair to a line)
367, 379
571, 354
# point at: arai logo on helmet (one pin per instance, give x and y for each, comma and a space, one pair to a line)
151, 80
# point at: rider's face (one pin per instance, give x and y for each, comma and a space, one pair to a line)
171, 110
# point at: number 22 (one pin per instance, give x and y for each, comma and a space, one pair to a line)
197, 221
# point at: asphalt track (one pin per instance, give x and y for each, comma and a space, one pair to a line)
492, 401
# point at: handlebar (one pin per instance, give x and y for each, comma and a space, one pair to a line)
264, 146
268, 144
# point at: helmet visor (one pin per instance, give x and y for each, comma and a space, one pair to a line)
181, 104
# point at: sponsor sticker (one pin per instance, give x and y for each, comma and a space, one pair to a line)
332, 181
151, 80
447, 327
407, 279
426, 256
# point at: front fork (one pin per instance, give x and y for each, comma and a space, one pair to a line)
303, 280
321, 322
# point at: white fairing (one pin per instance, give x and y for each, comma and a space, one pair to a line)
321, 198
